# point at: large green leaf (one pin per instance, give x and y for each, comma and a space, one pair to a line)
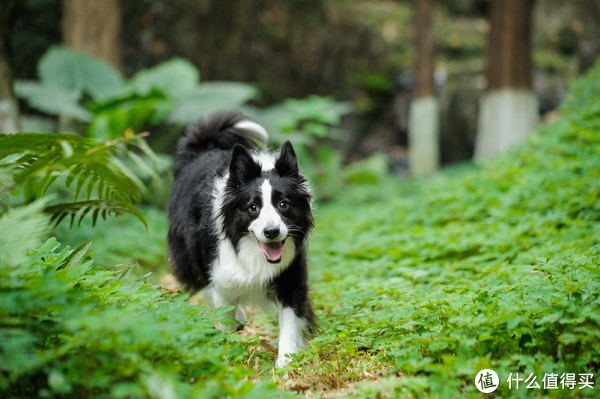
174, 78
77, 71
209, 98
312, 114
52, 99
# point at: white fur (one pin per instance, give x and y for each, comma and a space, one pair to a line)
218, 195
291, 339
265, 159
268, 217
254, 131
236, 274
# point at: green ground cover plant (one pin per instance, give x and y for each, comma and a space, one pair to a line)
418, 285
72, 329
496, 266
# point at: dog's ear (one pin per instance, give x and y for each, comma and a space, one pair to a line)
242, 168
287, 162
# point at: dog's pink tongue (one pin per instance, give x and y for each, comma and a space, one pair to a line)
273, 250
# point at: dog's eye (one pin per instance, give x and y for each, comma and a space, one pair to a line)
253, 208
283, 205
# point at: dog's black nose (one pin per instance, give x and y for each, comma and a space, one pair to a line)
271, 232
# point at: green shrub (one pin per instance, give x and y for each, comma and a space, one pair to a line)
91, 91
71, 329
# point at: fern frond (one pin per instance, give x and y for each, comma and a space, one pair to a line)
21, 229
82, 208
75, 256
36, 160
39, 143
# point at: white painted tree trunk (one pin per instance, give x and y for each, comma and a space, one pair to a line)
423, 136
506, 117
9, 116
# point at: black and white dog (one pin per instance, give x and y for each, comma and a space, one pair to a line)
239, 218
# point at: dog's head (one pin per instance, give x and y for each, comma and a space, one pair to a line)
267, 203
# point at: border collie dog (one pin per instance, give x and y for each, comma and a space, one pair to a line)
239, 218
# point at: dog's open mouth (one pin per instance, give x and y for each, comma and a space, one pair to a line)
272, 250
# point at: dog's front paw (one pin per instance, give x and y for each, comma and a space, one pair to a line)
282, 362
229, 328
239, 316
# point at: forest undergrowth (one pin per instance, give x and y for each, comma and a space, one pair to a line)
417, 284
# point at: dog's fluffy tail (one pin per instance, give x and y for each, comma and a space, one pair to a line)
222, 130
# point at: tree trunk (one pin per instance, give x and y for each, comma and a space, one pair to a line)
94, 27
589, 47
425, 46
9, 107
508, 110
423, 125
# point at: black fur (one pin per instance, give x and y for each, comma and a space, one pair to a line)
209, 150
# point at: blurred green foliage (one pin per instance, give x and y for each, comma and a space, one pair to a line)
90, 90
131, 246
582, 98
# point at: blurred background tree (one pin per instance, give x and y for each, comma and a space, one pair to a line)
509, 108
94, 27
423, 128
9, 111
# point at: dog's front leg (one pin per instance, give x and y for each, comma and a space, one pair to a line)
291, 334
219, 301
